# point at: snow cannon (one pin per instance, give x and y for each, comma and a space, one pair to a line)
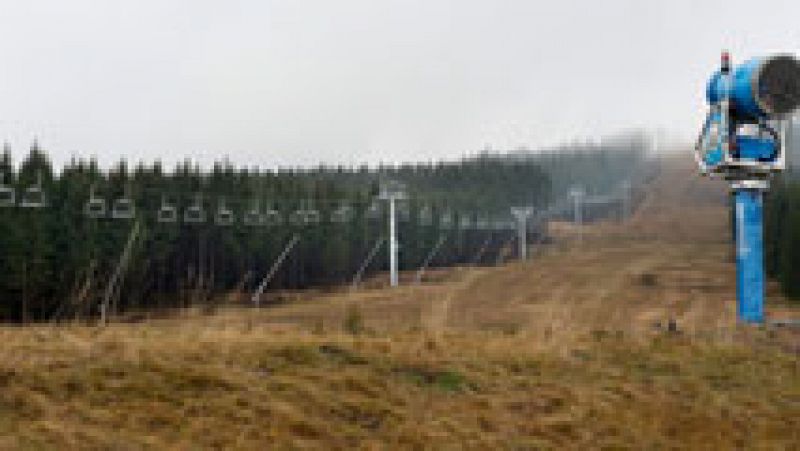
739, 138
743, 141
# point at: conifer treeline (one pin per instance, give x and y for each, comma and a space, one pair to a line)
782, 232
56, 262
782, 222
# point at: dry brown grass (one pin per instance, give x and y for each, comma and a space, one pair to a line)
191, 386
568, 350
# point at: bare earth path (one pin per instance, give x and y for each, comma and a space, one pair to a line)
673, 259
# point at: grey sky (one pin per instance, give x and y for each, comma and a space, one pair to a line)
301, 81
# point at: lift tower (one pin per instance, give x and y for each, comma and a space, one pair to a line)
577, 194
743, 142
521, 214
393, 192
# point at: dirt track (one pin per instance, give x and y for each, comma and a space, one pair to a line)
672, 259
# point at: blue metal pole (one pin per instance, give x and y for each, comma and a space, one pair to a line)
750, 254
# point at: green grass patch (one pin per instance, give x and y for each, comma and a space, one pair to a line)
446, 380
341, 355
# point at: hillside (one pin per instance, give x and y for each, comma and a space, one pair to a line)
570, 349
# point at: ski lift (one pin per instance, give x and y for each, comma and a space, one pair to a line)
7, 194
374, 211
403, 212
253, 216
195, 214
34, 196
313, 217
446, 220
465, 222
425, 217
273, 218
297, 218
167, 213
96, 206
342, 214
123, 209
501, 225
305, 216
576, 191
224, 216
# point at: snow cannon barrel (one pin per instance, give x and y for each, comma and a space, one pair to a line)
761, 88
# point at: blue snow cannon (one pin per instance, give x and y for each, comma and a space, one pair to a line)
744, 100
740, 142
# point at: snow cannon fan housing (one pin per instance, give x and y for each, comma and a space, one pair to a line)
759, 88
739, 140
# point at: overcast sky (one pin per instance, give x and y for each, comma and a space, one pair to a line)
300, 81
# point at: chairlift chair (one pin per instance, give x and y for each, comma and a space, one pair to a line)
8, 196
194, 214
224, 216
403, 213
297, 218
342, 215
425, 217
374, 211
446, 220
273, 218
305, 216
253, 218
33, 196
123, 209
95, 207
312, 216
167, 213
